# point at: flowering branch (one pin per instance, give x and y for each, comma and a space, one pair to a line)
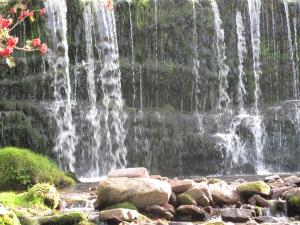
8, 42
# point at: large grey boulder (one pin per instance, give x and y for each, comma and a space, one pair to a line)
237, 215
141, 192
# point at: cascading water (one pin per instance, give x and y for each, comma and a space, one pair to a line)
114, 133
196, 65
224, 99
254, 7
156, 51
58, 61
93, 115
231, 140
291, 50
242, 50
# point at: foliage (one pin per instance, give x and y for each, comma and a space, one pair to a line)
20, 168
18, 13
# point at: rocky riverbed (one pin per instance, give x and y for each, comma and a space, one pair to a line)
132, 196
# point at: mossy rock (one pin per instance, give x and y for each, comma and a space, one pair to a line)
47, 193
8, 218
215, 180
186, 199
256, 187
63, 219
293, 200
21, 168
123, 205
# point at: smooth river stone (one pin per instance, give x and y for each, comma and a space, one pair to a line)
141, 192
139, 172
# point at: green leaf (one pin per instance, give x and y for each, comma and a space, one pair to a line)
10, 61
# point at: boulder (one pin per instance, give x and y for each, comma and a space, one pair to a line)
275, 184
237, 215
127, 215
157, 211
199, 193
129, 173
257, 200
186, 199
223, 194
256, 187
180, 186
277, 193
292, 197
265, 219
273, 177
141, 192
195, 212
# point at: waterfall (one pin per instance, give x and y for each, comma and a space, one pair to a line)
296, 50
141, 88
58, 61
291, 50
196, 65
132, 55
242, 50
224, 100
254, 7
156, 50
93, 115
114, 154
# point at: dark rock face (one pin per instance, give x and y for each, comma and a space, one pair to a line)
237, 215
170, 140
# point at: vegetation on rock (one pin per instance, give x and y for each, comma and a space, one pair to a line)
20, 169
8, 218
256, 187
65, 219
39, 197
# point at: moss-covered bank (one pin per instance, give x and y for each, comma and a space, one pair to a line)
20, 169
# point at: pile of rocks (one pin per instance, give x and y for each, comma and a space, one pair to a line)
133, 196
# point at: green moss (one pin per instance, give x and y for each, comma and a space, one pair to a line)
20, 169
39, 197
294, 201
215, 180
65, 219
47, 193
256, 187
123, 205
186, 199
9, 219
